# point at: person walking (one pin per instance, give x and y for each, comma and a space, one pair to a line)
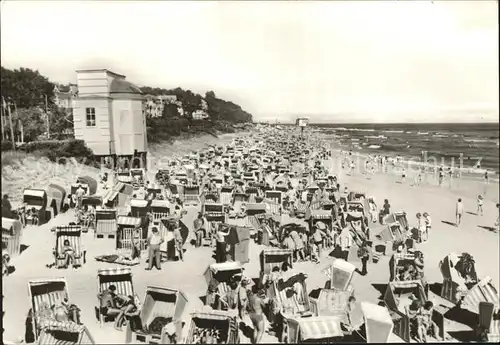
459, 212
154, 242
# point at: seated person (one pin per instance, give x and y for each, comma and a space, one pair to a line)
413, 311
69, 254
426, 323
34, 216
72, 311
128, 311
230, 300
406, 273
111, 302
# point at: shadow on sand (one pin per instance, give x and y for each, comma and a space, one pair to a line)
448, 223
23, 247
489, 228
381, 288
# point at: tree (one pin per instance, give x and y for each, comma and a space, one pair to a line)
26, 87
210, 94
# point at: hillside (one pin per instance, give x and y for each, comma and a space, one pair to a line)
172, 112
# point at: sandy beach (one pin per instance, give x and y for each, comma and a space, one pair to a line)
471, 236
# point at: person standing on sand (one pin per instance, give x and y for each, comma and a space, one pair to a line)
480, 205
459, 212
154, 242
428, 225
441, 176
179, 242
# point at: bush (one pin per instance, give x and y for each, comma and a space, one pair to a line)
7, 145
56, 150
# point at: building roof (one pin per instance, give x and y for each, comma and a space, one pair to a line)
100, 70
123, 86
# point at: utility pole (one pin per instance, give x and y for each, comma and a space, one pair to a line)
11, 128
47, 114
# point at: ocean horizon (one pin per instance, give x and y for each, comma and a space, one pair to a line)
474, 142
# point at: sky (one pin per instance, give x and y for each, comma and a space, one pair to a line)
333, 61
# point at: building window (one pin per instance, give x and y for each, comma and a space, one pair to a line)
90, 117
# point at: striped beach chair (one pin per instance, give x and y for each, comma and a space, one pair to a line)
276, 198
159, 302
64, 333
191, 195
73, 235
290, 302
224, 321
43, 294
121, 278
105, 224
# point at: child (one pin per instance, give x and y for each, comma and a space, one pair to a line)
34, 216
313, 251
480, 205
428, 224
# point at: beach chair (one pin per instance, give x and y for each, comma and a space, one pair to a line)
489, 323
224, 323
340, 274
331, 302
139, 207
43, 294
191, 195
215, 215
162, 306
288, 301
397, 299
67, 333
276, 197
255, 209
378, 324
127, 227
105, 224
160, 209
326, 218
72, 233
12, 230
222, 273
316, 329
119, 277
226, 195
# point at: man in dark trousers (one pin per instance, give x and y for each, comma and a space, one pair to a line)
220, 247
154, 242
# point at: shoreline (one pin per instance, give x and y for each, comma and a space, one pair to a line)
465, 172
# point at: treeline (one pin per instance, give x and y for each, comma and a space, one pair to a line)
29, 96
173, 122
